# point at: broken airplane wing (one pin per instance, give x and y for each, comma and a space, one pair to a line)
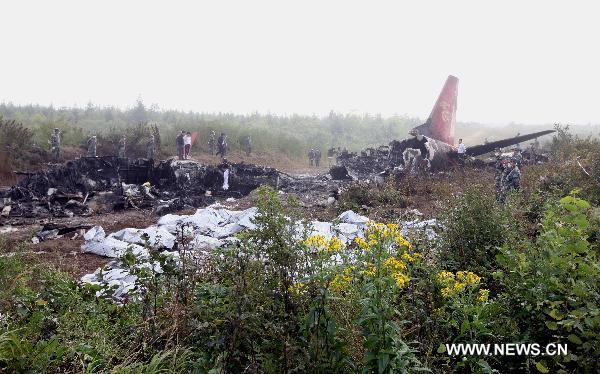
481, 149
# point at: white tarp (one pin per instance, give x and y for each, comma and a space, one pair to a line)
98, 243
351, 217
210, 228
157, 236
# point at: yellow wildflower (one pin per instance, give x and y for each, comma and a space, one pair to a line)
401, 279
467, 277
394, 264
315, 241
334, 245
446, 292
445, 277
370, 270
362, 243
483, 295
458, 287
401, 242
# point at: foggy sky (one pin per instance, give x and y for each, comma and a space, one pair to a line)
521, 61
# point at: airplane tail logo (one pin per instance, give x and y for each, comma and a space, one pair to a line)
442, 120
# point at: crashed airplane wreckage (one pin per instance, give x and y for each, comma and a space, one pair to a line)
100, 184
430, 147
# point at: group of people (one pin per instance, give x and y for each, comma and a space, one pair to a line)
314, 157
508, 173
183, 142
92, 146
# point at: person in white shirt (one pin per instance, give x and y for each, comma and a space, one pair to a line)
462, 152
187, 144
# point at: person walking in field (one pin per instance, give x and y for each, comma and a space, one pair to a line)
187, 145
317, 157
179, 143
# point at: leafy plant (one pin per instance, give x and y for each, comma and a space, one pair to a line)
552, 285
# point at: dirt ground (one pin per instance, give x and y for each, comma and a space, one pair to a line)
281, 162
64, 253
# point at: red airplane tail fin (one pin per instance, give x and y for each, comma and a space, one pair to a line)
441, 121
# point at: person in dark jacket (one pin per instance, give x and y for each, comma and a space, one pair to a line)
180, 142
222, 145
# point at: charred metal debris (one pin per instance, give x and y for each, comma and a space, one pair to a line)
417, 155
103, 184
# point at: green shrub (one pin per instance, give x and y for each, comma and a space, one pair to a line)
475, 226
552, 286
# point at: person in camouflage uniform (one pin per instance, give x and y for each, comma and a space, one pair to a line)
92, 145
55, 143
518, 157
511, 179
247, 145
212, 142
122, 145
317, 157
150, 148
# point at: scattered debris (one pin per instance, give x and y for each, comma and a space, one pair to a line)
102, 184
54, 231
202, 231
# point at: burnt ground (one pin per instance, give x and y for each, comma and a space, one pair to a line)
428, 194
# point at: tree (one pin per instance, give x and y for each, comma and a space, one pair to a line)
139, 113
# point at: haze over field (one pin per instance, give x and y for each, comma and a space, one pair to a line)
527, 62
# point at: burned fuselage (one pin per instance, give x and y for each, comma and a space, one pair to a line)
418, 153
98, 184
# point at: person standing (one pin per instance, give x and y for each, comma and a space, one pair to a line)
317, 157
511, 179
55, 143
330, 155
222, 145
150, 148
92, 145
518, 157
462, 152
311, 157
212, 142
187, 145
122, 145
179, 143
248, 145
